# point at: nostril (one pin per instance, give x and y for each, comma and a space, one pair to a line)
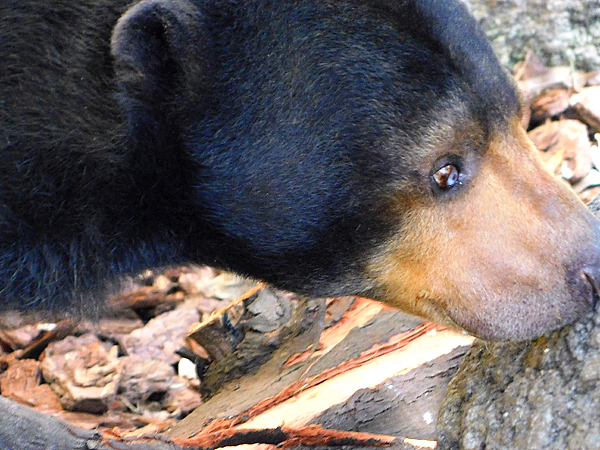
593, 277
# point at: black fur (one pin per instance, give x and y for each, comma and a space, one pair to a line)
248, 134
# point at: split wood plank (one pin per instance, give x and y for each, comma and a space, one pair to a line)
309, 403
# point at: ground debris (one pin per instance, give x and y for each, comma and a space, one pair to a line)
565, 147
120, 370
562, 115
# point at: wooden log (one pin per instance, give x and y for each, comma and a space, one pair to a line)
358, 355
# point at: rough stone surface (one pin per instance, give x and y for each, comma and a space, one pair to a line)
535, 395
559, 32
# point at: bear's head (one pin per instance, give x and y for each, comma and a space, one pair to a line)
365, 147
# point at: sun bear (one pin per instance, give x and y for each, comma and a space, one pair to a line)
342, 147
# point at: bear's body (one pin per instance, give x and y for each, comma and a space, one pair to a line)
329, 147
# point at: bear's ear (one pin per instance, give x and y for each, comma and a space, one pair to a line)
157, 46
454, 30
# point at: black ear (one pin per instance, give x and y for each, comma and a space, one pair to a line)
456, 30
453, 29
159, 52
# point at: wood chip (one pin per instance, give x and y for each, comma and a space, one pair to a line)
286, 437
84, 372
587, 106
549, 104
20, 337
161, 336
564, 144
21, 382
213, 334
142, 378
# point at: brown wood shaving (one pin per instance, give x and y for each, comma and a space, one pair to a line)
285, 437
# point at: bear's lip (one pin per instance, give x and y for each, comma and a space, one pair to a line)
585, 295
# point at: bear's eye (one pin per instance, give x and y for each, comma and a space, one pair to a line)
447, 177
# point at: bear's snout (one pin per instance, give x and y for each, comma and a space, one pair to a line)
513, 255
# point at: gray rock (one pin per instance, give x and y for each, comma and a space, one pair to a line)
558, 32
